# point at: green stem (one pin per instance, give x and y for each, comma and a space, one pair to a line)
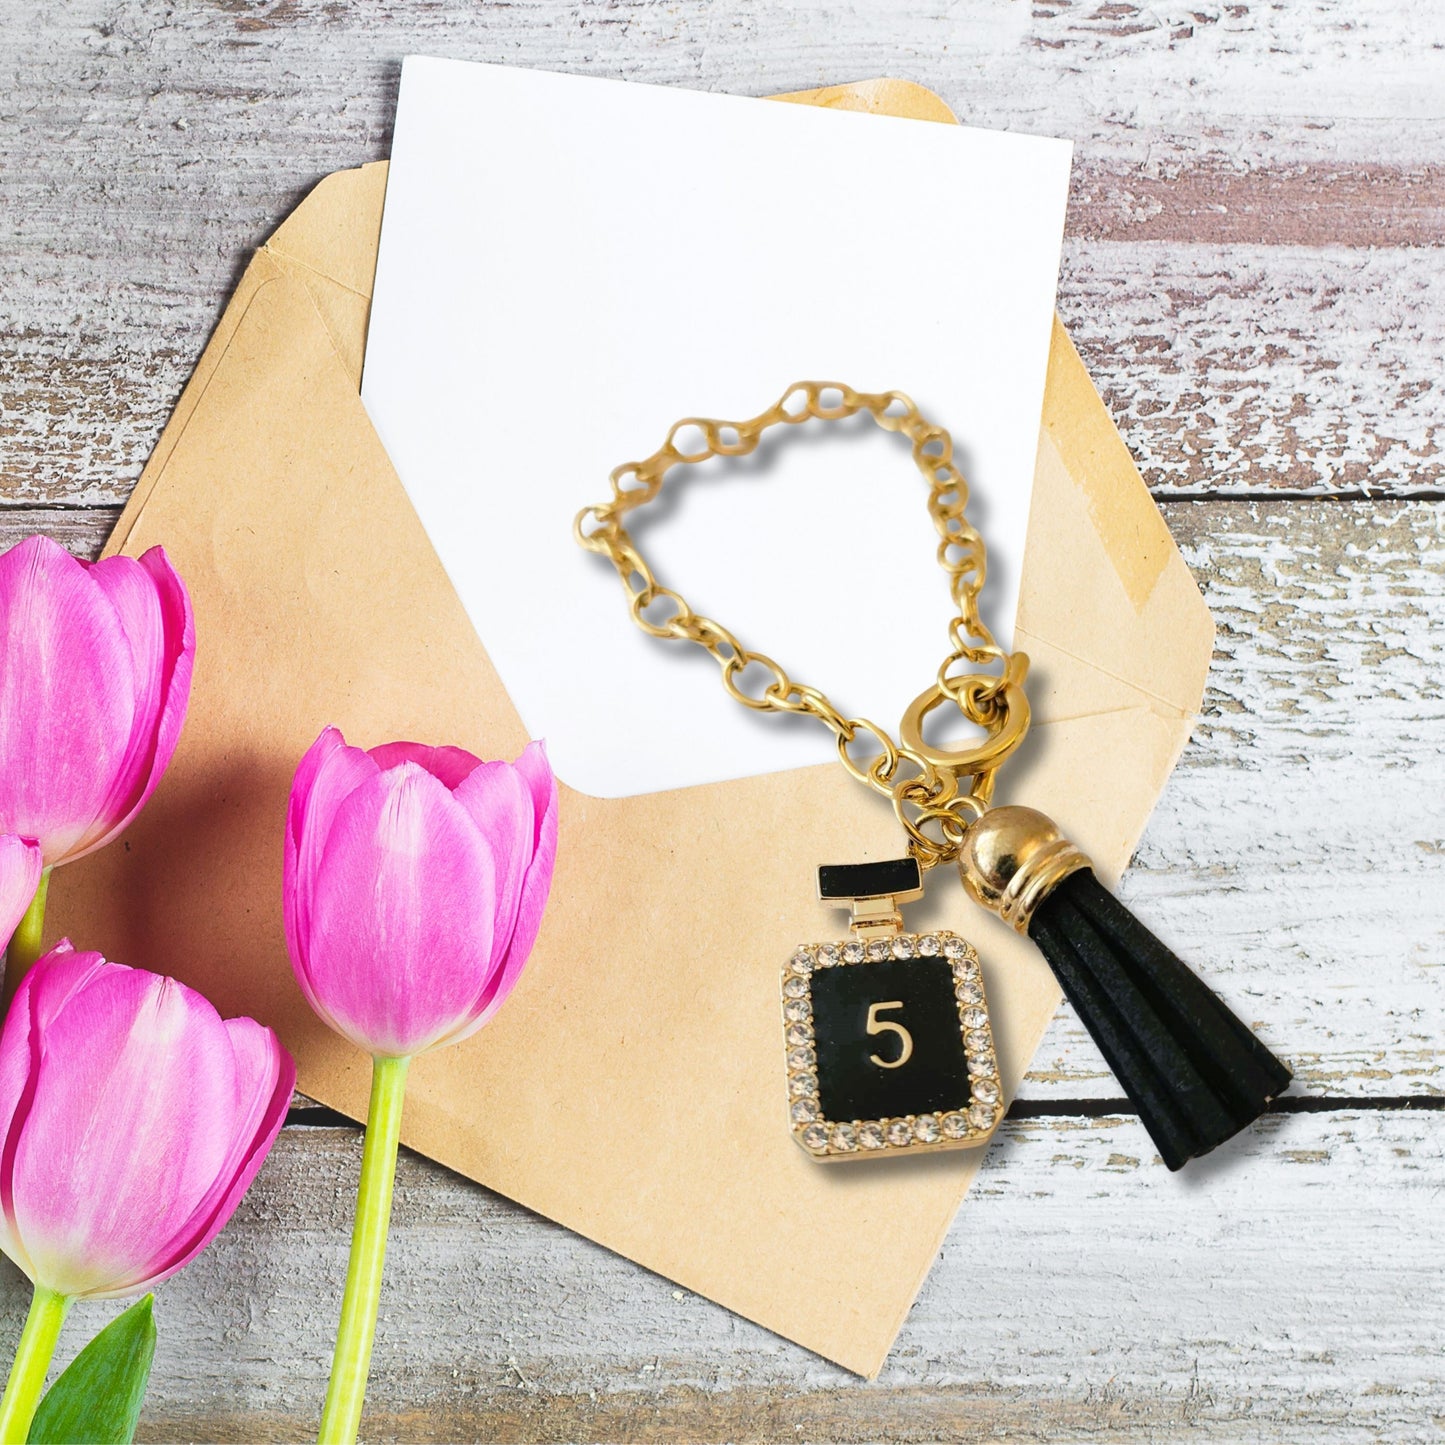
32, 1360
25, 941
341, 1417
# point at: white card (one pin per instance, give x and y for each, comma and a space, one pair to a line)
568, 266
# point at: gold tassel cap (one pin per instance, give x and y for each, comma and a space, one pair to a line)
1012, 859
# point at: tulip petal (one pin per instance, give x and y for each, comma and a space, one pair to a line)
38, 999
67, 691
401, 928
129, 589
180, 632
536, 772
133, 1083
97, 673
497, 798
449, 766
328, 773
265, 1076
20, 865
541, 781
164, 659
136, 1119
32, 1008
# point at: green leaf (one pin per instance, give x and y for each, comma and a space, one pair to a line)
98, 1397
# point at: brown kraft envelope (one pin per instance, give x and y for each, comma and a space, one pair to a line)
632, 1088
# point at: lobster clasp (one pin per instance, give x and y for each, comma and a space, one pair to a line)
998, 705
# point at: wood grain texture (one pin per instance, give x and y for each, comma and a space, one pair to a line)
1253, 273
1263, 1299
1296, 850
1238, 168
1245, 370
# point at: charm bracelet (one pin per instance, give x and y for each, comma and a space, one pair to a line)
888, 1046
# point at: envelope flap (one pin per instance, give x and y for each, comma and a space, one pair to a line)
335, 230
329, 243
1108, 610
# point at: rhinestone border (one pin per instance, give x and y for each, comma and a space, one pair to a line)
971, 1124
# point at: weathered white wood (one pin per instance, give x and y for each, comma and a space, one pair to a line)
82, 530
1298, 852
1156, 83
1084, 1292
145, 149
1243, 369
1230, 371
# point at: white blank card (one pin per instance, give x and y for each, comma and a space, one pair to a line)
568, 266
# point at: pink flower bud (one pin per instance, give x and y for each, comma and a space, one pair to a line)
133, 1120
19, 877
95, 673
415, 880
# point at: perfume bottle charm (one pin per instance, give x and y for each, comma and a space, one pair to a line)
889, 1048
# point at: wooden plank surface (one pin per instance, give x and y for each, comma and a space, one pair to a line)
1128, 1307
1244, 372
1253, 272
1252, 184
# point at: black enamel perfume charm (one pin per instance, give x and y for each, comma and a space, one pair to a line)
886, 1034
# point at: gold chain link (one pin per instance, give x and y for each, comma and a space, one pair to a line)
930, 804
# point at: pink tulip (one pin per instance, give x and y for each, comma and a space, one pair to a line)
134, 1118
95, 673
415, 880
20, 866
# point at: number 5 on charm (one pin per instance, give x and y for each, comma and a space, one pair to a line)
888, 1026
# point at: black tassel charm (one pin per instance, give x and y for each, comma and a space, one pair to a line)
1194, 1071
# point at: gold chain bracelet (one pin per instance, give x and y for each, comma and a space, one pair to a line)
932, 804
887, 1036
